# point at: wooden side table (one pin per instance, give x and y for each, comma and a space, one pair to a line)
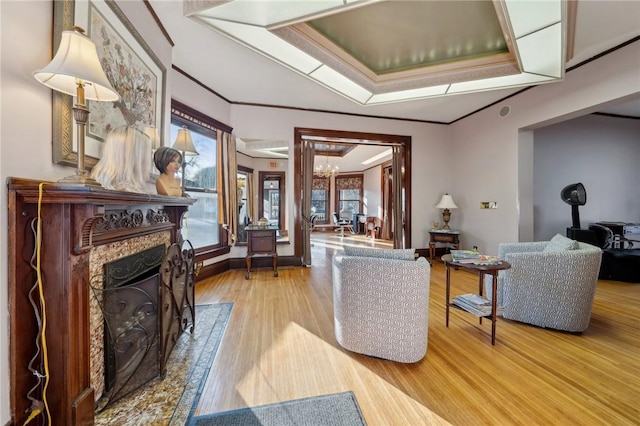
442, 236
482, 270
261, 241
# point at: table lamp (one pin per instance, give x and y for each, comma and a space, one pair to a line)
75, 70
446, 203
184, 144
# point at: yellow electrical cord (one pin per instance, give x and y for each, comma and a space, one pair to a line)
43, 339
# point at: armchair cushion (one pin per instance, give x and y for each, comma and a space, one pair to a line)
560, 243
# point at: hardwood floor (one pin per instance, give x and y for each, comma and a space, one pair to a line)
279, 345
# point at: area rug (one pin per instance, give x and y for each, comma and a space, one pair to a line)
169, 401
338, 409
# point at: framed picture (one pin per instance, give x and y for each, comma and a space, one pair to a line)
132, 68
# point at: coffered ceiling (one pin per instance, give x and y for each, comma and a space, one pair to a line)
432, 61
375, 52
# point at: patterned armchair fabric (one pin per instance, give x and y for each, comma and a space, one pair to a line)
381, 304
548, 289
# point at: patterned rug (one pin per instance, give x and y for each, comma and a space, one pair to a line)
169, 401
338, 409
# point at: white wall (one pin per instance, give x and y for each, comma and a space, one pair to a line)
601, 152
489, 150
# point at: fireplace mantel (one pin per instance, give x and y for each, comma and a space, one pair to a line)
74, 220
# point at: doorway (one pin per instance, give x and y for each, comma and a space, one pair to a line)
304, 140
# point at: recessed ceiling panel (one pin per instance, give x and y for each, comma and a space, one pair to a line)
541, 51
402, 35
529, 16
262, 13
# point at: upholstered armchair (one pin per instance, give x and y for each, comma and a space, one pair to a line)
548, 286
381, 303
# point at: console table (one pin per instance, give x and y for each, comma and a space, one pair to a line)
75, 221
261, 241
442, 236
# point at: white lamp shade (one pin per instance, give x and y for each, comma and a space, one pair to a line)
77, 61
446, 203
184, 143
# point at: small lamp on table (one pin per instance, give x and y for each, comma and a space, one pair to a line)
446, 203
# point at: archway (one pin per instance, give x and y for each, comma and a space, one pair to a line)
401, 146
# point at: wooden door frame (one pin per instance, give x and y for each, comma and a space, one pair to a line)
301, 132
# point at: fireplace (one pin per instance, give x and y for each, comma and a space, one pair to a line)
129, 306
82, 226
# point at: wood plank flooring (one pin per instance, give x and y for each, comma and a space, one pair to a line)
279, 345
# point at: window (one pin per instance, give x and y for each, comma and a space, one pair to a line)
201, 225
348, 195
320, 199
272, 198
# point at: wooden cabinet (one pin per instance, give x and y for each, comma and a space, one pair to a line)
261, 241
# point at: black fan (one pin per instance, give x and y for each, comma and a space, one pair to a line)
575, 195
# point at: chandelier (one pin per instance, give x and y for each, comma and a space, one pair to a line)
326, 171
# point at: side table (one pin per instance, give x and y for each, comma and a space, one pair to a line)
446, 236
261, 241
482, 270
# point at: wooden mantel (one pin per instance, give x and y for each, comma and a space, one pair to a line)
74, 220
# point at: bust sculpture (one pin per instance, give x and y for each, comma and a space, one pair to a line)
168, 161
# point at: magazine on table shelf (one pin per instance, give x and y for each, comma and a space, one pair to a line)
474, 304
473, 257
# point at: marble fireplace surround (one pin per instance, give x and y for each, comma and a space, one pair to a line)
82, 226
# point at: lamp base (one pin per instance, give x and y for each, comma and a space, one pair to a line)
79, 180
82, 177
446, 217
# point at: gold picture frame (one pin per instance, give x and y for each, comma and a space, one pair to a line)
107, 25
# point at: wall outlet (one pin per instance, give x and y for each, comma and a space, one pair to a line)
475, 248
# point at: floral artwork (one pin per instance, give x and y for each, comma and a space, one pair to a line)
130, 77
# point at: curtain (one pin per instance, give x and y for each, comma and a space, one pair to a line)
397, 171
251, 197
227, 185
308, 152
386, 207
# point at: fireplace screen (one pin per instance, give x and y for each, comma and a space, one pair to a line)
130, 300
147, 302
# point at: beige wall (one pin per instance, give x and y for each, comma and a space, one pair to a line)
482, 157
